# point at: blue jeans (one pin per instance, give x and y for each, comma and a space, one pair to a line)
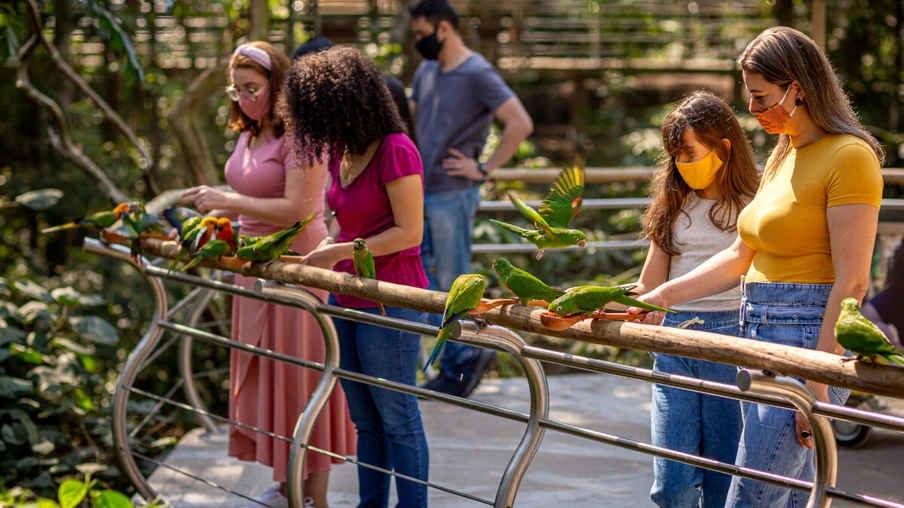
694, 423
446, 254
390, 431
789, 314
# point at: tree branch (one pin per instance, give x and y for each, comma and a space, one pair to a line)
62, 142
148, 164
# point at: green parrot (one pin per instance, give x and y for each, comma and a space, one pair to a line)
270, 247
586, 299
466, 292
557, 211
211, 250
524, 285
188, 224
99, 220
863, 338
136, 222
364, 264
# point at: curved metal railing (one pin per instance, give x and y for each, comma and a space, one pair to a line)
753, 386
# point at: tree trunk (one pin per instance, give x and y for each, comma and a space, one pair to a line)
259, 20
184, 122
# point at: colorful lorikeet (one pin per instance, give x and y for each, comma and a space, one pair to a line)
99, 220
273, 246
586, 299
466, 292
557, 211
134, 223
862, 337
524, 285
364, 264
211, 250
227, 234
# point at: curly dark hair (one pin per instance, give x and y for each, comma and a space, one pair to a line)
336, 101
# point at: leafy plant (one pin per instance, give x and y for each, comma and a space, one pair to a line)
71, 494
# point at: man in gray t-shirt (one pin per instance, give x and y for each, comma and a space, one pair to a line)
455, 95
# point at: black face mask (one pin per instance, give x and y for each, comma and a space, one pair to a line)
429, 46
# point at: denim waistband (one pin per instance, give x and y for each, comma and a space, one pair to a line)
784, 303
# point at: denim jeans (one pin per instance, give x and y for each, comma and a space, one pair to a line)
694, 423
390, 431
789, 314
446, 254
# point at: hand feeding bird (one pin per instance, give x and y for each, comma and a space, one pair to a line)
862, 337
270, 247
587, 299
528, 289
98, 221
464, 296
364, 264
555, 214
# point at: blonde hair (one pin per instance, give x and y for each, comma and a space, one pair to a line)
782, 55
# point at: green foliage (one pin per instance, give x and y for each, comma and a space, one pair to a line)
71, 494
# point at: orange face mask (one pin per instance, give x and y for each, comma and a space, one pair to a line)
702, 173
774, 118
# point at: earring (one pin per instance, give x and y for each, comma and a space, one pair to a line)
798, 101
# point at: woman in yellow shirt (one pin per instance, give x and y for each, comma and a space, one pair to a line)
805, 242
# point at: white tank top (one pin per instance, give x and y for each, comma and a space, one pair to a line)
698, 239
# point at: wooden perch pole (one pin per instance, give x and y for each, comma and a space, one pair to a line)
787, 360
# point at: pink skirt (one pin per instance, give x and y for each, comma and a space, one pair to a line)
271, 395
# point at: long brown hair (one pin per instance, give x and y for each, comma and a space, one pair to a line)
712, 121
276, 76
783, 55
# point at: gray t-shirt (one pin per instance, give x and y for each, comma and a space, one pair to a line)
454, 110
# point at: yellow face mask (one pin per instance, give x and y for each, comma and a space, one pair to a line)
701, 174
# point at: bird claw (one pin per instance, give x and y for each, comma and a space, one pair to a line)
540, 253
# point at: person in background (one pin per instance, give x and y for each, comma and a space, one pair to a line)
455, 95
885, 308
376, 194
705, 177
805, 243
272, 191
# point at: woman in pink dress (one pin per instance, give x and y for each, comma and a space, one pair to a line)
272, 192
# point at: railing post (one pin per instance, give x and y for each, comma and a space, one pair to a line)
130, 370
511, 342
796, 393
185, 361
305, 425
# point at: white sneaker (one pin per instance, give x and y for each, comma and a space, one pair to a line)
270, 497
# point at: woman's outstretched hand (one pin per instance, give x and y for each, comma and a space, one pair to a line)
652, 318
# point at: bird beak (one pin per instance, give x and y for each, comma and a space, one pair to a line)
582, 243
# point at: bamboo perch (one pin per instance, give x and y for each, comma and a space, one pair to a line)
790, 361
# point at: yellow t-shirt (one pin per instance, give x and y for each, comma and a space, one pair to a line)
786, 222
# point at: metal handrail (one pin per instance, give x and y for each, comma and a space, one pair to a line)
786, 392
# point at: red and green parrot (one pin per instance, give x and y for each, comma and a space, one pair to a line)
587, 299
271, 247
364, 264
212, 249
556, 212
226, 233
466, 292
98, 221
862, 337
523, 285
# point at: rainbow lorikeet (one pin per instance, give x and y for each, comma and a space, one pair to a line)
556, 212
465, 294
99, 220
862, 337
524, 285
364, 264
586, 299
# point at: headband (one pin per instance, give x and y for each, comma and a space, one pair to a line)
259, 56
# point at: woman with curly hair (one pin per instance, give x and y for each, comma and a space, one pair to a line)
339, 113
272, 191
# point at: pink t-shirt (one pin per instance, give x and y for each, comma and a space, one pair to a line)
261, 173
363, 210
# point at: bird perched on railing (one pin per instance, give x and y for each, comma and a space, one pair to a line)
98, 221
862, 337
556, 212
364, 264
527, 288
587, 299
464, 296
270, 247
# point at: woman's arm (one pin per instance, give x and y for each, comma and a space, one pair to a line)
301, 198
852, 234
718, 274
406, 198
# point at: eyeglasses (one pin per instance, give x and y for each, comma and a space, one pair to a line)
250, 94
